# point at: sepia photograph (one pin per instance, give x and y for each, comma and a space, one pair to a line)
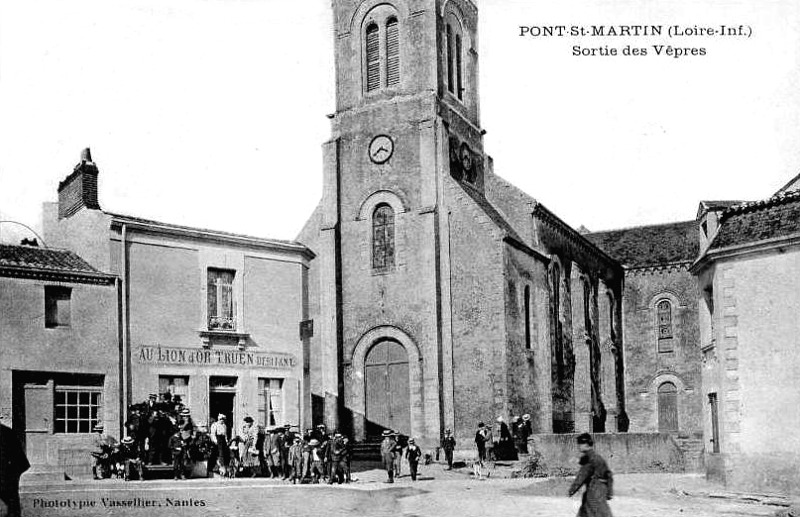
443, 258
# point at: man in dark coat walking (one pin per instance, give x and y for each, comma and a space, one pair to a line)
449, 445
388, 446
598, 479
12, 464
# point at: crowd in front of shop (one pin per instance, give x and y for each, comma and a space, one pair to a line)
161, 432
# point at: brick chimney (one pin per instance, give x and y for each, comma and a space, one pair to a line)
79, 189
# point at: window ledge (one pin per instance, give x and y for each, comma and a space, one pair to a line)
208, 335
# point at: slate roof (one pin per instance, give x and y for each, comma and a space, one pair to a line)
24, 260
778, 216
652, 245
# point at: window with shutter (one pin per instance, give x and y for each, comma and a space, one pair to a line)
392, 53
383, 238
373, 58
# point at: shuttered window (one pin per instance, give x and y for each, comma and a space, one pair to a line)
383, 238
459, 87
373, 58
392, 53
450, 59
220, 299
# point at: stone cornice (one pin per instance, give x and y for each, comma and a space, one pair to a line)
741, 250
653, 268
546, 216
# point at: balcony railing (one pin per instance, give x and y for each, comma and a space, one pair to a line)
221, 323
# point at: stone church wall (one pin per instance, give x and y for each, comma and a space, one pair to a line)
646, 367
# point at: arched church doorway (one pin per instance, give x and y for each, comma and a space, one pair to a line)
387, 389
667, 408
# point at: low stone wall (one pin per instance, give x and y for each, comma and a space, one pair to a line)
624, 452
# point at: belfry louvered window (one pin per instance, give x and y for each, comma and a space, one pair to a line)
454, 54
392, 53
373, 58
383, 238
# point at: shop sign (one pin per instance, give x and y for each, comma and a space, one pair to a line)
200, 357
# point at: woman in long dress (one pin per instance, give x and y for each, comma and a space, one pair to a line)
248, 452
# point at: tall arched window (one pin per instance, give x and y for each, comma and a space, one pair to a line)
528, 317
373, 52
555, 293
383, 238
667, 408
392, 53
381, 48
454, 38
664, 322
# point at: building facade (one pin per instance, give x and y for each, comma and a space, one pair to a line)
748, 274
211, 316
60, 354
431, 290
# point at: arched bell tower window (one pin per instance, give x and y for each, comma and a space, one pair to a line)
383, 238
454, 37
381, 49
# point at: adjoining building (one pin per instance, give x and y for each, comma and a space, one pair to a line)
59, 354
749, 279
211, 316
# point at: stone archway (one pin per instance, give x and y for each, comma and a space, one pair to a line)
358, 369
386, 389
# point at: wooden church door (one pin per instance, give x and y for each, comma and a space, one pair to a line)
387, 389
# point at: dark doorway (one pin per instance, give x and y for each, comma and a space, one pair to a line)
387, 389
222, 403
712, 401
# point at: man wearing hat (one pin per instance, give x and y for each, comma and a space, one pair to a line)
337, 455
481, 437
598, 479
219, 437
101, 456
388, 446
449, 445
315, 458
129, 459
180, 444
413, 453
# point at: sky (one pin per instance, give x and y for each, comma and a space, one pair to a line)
212, 113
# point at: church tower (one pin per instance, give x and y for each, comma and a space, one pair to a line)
431, 289
406, 108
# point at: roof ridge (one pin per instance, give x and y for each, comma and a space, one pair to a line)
654, 225
749, 206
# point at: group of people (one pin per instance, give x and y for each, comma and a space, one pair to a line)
161, 432
279, 452
499, 442
394, 448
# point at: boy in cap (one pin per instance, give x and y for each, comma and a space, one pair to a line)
598, 479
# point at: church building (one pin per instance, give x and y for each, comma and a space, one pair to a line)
442, 295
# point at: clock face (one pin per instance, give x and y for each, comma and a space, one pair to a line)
381, 149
